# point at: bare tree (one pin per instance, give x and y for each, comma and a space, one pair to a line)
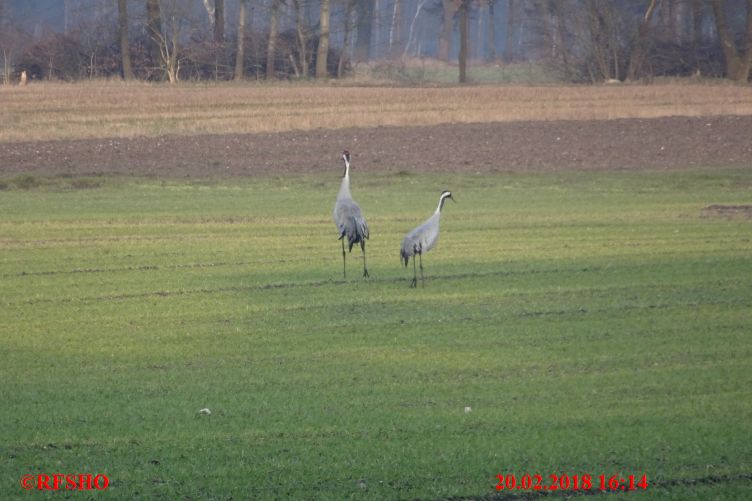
546, 12
639, 45
449, 8
411, 33
464, 12
271, 46
154, 30
302, 34
125, 49
349, 7
323, 48
478, 38
170, 48
219, 22
603, 42
682, 15
395, 28
8, 41
664, 18
216, 13
512, 15
7, 61
169, 41
696, 33
209, 11
363, 40
240, 52
376, 29
738, 61
558, 11
491, 32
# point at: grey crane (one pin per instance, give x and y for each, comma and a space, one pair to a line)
422, 239
349, 219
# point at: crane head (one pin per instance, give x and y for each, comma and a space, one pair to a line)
444, 195
346, 158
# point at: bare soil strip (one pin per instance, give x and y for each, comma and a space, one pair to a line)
659, 143
728, 210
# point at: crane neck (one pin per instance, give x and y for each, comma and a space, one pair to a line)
442, 199
344, 188
346, 175
441, 205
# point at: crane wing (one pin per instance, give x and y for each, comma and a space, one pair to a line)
350, 221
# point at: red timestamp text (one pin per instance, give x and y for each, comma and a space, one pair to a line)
565, 482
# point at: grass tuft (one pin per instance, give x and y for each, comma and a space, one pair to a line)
86, 183
26, 182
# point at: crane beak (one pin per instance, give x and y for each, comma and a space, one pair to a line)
453, 200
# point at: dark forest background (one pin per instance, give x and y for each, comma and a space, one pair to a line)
173, 40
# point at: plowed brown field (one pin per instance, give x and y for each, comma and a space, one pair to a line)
674, 142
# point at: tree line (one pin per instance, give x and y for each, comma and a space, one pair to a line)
173, 40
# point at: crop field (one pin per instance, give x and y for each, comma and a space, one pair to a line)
174, 314
593, 323
104, 110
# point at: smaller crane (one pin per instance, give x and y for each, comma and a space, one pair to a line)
349, 219
422, 239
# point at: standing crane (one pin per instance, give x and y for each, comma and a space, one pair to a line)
349, 219
422, 239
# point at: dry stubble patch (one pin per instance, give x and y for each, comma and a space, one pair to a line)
49, 111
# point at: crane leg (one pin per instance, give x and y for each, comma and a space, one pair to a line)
422, 280
363, 248
344, 269
415, 275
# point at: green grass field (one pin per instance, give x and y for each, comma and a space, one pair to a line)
596, 323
